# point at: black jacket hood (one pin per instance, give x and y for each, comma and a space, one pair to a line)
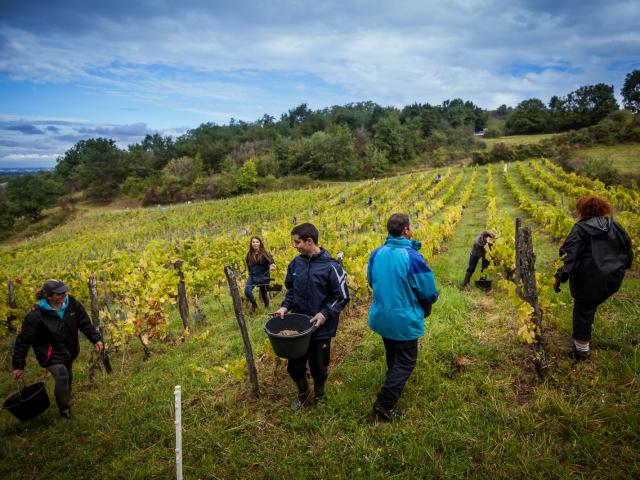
596, 226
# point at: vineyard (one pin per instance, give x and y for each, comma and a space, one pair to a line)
475, 406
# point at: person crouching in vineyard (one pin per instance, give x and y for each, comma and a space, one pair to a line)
259, 262
403, 291
317, 286
595, 255
478, 251
51, 328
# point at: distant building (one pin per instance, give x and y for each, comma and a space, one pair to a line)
480, 133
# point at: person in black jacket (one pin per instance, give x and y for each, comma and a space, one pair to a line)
595, 255
316, 286
51, 329
478, 251
259, 262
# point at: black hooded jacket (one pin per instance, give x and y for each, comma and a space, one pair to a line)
54, 339
317, 285
598, 251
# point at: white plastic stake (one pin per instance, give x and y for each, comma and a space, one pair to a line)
178, 396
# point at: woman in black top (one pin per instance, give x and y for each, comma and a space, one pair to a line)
259, 262
596, 254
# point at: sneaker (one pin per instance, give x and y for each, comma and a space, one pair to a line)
390, 415
300, 401
66, 414
578, 356
321, 401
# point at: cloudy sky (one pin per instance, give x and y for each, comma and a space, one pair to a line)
77, 69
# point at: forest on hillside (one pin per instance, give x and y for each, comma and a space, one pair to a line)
347, 142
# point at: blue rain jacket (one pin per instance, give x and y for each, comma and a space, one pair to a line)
402, 284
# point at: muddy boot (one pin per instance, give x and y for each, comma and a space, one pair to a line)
318, 395
303, 394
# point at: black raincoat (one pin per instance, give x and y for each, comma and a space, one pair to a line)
598, 251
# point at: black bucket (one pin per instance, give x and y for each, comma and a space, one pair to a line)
29, 402
289, 346
483, 284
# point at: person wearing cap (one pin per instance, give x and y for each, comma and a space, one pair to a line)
51, 329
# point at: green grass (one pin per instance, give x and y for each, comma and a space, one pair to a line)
625, 158
518, 139
473, 407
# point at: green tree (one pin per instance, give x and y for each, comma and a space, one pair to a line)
97, 165
530, 116
631, 91
245, 179
28, 195
387, 137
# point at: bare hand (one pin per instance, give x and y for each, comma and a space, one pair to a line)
16, 374
99, 346
280, 312
272, 266
318, 319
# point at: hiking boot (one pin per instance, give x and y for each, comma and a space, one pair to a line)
301, 400
66, 414
386, 415
574, 354
254, 307
303, 394
318, 395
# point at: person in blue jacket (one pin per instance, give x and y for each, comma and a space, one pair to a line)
403, 291
316, 286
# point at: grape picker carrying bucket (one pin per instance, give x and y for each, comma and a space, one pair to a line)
51, 329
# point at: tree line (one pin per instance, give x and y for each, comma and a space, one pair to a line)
345, 142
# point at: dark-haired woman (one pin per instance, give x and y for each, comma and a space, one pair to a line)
259, 262
51, 329
596, 254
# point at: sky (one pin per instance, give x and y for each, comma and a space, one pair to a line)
78, 69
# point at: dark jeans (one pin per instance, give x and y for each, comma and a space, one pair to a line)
401, 360
318, 357
583, 315
473, 262
62, 375
248, 291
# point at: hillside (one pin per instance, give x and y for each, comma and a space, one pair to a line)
474, 406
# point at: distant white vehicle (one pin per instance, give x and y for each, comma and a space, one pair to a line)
480, 133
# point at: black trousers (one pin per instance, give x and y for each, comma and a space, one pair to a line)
473, 263
583, 316
317, 357
62, 375
402, 356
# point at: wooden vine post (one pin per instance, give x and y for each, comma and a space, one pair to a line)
183, 304
95, 319
237, 306
11, 293
527, 288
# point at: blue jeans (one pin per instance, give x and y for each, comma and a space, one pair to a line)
248, 291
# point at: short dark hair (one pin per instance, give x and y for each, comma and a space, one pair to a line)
397, 223
593, 206
305, 231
